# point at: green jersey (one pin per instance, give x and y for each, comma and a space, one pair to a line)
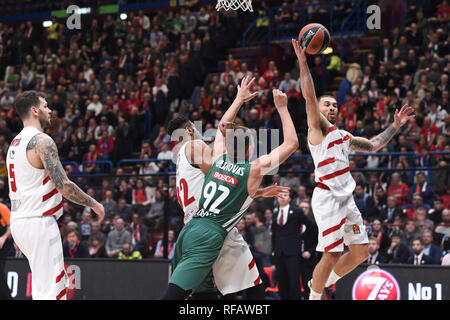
224, 197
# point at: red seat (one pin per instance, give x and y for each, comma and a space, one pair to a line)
268, 271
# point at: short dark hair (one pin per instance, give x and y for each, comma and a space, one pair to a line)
25, 100
326, 96
418, 239
177, 123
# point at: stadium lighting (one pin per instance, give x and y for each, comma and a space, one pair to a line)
123, 16
47, 23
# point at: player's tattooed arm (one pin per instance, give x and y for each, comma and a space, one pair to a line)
360, 144
401, 117
46, 149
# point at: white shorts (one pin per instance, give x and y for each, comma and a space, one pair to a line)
339, 221
235, 269
39, 240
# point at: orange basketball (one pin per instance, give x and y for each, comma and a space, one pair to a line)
314, 37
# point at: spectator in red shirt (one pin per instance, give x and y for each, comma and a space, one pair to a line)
398, 189
429, 130
268, 74
293, 91
350, 119
105, 146
443, 12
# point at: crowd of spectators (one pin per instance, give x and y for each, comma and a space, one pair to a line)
114, 85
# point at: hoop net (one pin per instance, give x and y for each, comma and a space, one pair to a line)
244, 5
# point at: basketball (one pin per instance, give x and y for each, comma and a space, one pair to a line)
314, 37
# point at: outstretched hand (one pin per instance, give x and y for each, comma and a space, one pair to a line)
244, 93
401, 117
274, 191
279, 98
299, 51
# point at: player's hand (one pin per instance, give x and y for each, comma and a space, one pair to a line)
401, 117
275, 190
299, 51
2, 242
100, 211
244, 93
279, 98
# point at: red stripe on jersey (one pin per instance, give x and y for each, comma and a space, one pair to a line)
47, 179
53, 210
61, 294
257, 281
325, 162
334, 174
251, 264
337, 141
331, 129
61, 275
49, 195
332, 229
322, 186
334, 244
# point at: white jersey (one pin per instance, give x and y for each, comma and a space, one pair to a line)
32, 193
332, 163
189, 184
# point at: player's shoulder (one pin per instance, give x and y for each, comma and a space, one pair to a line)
41, 141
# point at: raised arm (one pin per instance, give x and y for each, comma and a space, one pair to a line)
243, 95
47, 151
316, 121
277, 156
401, 117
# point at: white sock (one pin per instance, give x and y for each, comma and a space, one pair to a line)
332, 279
314, 295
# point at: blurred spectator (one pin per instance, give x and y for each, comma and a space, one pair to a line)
128, 252
85, 225
430, 249
409, 232
110, 205
116, 238
97, 248
138, 233
379, 232
263, 239
398, 189
419, 256
159, 252
397, 252
423, 224
444, 227
124, 210
73, 247
375, 256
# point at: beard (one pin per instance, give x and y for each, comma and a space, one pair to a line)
43, 120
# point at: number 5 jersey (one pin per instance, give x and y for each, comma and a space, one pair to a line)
31, 191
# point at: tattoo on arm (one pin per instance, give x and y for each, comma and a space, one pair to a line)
374, 144
47, 151
362, 145
384, 137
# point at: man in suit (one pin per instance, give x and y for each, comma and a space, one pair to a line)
397, 252
375, 255
419, 257
430, 249
308, 258
392, 210
287, 224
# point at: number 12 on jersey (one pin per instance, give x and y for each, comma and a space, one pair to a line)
184, 187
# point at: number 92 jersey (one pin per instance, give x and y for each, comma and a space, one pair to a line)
189, 184
225, 197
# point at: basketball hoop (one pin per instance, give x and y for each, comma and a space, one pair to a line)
244, 5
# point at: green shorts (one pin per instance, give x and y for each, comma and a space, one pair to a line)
197, 247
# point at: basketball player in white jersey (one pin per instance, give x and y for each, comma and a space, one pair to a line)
234, 269
338, 219
37, 183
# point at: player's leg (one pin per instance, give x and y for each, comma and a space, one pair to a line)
203, 245
40, 240
235, 268
355, 237
321, 273
330, 216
